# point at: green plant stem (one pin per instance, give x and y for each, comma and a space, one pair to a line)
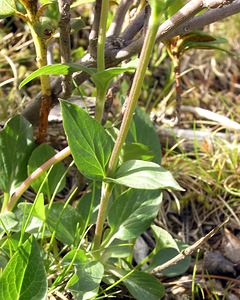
100, 101
134, 94
127, 119
25, 185
102, 36
106, 193
5, 201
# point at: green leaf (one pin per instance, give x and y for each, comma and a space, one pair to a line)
85, 283
118, 249
57, 69
24, 276
163, 238
39, 208
102, 79
137, 151
143, 132
84, 206
7, 8
78, 255
142, 286
65, 221
139, 174
165, 249
16, 145
39, 156
165, 255
8, 221
201, 40
133, 212
89, 143
22, 214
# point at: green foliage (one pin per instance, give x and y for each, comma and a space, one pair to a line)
137, 151
89, 143
7, 8
85, 282
125, 196
55, 177
139, 174
167, 248
143, 131
16, 145
133, 212
24, 277
56, 69
143, 286
64, 221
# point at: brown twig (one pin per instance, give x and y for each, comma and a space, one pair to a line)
93, 37
44, 167
117, 23
188, 251
65, 44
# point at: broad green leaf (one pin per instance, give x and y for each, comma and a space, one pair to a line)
24, 277
90, 145
143, 286
118, 249
8, 221
16, 145
22, 213
165, 255
57, 69
133, 212
85, 283
39, 156
102, 79
137, 151
84, 206
78, 255
139, 174
7, 8
143, 131
13, 244
64, 221
163, 239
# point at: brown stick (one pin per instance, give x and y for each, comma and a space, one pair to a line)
65, 44
188, 251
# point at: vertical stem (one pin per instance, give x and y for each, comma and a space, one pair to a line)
178, 89
101, 94
127, 118
100, 103
5, 201
134, 94
102, 36
106, 193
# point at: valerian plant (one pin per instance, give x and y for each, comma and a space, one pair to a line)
48, 238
